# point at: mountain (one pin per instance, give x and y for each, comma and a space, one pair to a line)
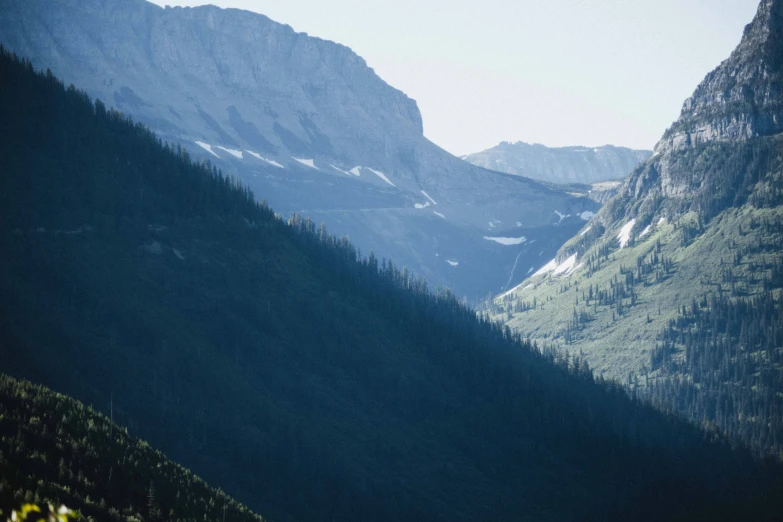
270, 358
56, 450
675, 285
560, 164
307, 125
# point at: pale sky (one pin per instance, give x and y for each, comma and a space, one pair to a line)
557, 72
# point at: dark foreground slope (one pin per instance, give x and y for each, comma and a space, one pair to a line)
307, 384
56, 450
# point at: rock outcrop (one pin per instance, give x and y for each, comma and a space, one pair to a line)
741, 98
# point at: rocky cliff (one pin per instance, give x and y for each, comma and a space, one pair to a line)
739, 101
741, 98
560, 164
307, 124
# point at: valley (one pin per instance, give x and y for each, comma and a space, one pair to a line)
229, 251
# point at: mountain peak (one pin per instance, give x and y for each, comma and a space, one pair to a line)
740, 99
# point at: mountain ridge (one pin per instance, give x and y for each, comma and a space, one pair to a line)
305, 123
572, 164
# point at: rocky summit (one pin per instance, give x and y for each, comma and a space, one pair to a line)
308, 126
560, 164
742, 97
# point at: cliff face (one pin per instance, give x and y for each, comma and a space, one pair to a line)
739, 101
261, 85
560, 164
307, 125
741, 98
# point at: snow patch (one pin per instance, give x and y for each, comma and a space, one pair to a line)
529, 286
428, 197
531, 269
207, 147
340, 170
661, 221
585, 231
566, 265
547, 268
519, 224
236, 153
382, 176
625, 233
439, 214
645, 231
507, 240
260, 157
356, 171
562, 216
307, 162
453, 263
587, 215
419, 205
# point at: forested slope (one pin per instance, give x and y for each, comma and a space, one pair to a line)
308, 381
56, 450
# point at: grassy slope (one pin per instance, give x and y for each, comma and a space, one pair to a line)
619, 345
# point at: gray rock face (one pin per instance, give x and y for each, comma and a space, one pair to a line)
741, 98
740, 101
560, 164
307, 125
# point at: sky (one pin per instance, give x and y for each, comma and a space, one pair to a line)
557, 72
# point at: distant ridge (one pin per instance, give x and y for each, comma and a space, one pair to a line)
560, 164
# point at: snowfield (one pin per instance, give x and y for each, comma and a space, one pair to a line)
625, 233
508, 241
382, 176
260, 157
547, 268
307, 162
236, 153
207, 147
566, 266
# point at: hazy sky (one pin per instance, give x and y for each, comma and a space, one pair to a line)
557, 72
